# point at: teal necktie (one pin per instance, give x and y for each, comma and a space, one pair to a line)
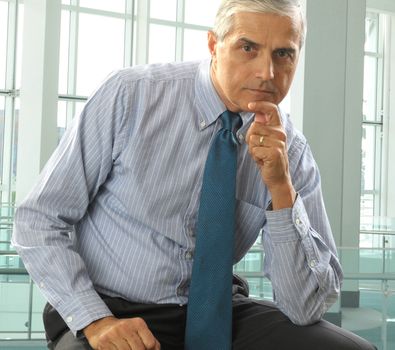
209, 315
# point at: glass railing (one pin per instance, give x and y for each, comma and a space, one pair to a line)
21, 303
371, 273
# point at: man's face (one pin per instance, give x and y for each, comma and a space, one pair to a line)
257, 59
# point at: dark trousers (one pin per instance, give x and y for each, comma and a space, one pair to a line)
257, 325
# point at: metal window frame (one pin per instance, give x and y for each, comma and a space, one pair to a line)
137, 23
74, 11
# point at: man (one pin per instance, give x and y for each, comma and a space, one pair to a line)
108, 233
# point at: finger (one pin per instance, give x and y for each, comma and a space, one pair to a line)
265, 112
135, 342
270, 150
148, 338
121, 344
259, 141
257, 130
112, 346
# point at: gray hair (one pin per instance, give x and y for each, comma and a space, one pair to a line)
224, 19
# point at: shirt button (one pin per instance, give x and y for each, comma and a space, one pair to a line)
240, 137
188, 255
202, 123
69, 319
41, 284
190, 232
298, 221
312, 263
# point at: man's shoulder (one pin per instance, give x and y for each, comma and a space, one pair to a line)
160, 72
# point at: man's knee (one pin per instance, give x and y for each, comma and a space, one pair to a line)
339, 338
260, 325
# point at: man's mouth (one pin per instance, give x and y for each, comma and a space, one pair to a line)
262, 91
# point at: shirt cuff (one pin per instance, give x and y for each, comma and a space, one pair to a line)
82, 309
289, 224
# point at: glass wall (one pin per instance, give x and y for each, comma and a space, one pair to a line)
372, 118
98, 37
377, 141
11, 21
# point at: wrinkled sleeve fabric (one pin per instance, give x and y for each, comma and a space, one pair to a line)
300, 253
44, 236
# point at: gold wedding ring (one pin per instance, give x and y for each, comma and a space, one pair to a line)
261, 140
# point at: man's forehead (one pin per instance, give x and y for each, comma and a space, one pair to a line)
257, 24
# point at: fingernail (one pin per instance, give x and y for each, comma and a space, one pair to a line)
252, 105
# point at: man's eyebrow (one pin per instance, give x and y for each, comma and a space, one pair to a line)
248, 41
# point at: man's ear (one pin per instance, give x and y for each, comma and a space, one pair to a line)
212, 43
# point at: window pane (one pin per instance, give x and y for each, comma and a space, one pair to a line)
371, 155
368, 158
66, 2
2, 124
107, 5
3, 41
371, 32
201, 12
370, 89
162, 43
195, 44
286, 104
367, 206
38, 304
66, 112
134, 41
16, 297
62, 114
100, 50
15, 145
19, 46
64, 52
78, 107
166, 10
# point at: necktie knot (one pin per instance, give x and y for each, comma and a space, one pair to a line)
231, 121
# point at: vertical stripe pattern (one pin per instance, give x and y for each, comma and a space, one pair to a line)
114, 210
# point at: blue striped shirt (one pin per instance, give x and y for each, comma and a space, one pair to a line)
114, 210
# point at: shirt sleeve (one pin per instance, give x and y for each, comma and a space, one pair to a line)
44, 235
300, 253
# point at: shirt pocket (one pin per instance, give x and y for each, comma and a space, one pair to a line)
249, 222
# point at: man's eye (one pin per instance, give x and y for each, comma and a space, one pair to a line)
282, 53
247, 48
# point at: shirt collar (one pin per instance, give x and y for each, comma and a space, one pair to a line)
208, 102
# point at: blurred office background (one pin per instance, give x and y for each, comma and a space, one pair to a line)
53, 53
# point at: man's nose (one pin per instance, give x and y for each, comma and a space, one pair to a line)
264, 68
